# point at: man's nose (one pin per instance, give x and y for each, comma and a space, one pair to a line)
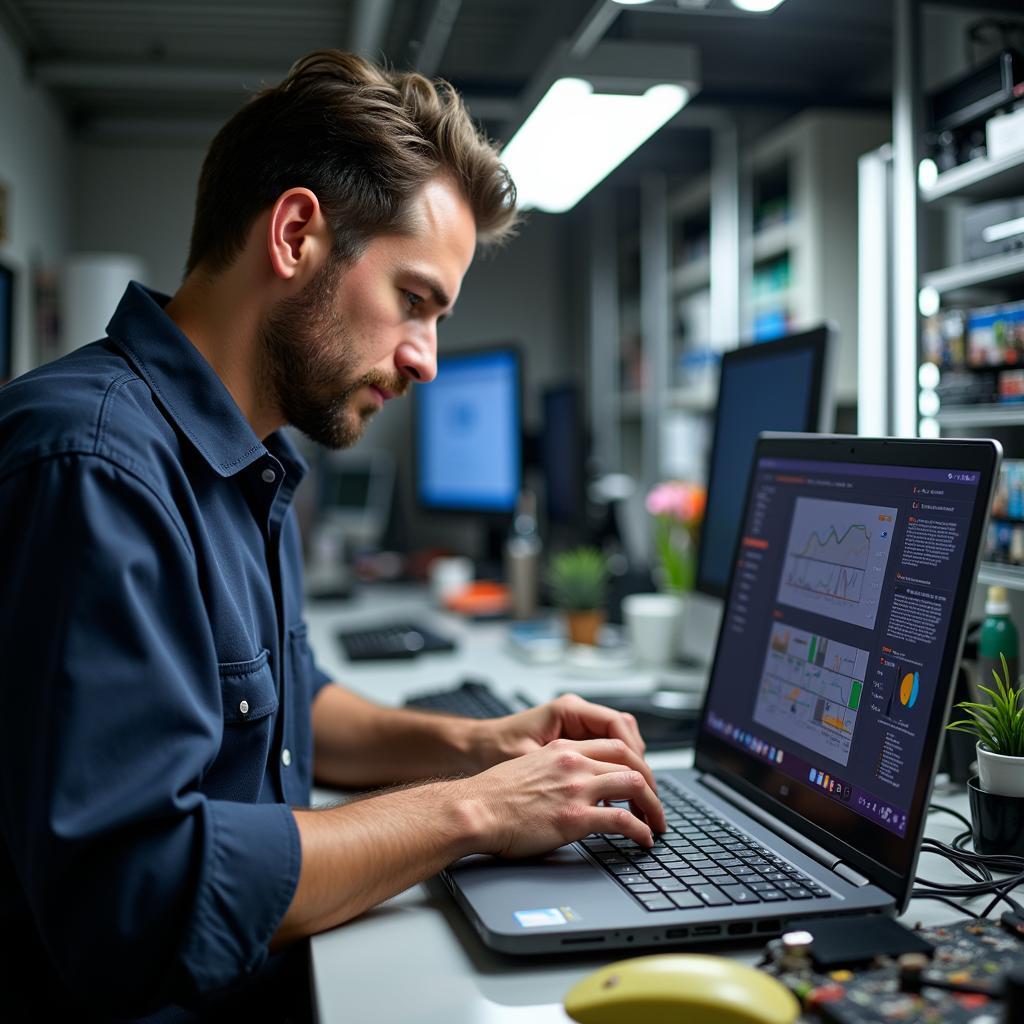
417, 360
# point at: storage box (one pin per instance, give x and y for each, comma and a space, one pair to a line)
1004, 134
979, 220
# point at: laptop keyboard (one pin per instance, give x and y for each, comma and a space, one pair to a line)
701, 861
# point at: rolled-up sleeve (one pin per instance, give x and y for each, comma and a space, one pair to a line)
142, 889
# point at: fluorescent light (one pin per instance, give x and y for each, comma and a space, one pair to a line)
575, 138
928, 301
756, 6
631, 3
927, 173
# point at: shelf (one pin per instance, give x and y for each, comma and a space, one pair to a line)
1000, 575
979, 179
1009, 415
1007, 268
691, 276
699, 398
769, 243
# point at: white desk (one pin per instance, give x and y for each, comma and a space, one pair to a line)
416, 958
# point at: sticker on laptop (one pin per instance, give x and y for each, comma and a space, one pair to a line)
545, 917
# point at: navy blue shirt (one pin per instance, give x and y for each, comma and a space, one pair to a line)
156, 680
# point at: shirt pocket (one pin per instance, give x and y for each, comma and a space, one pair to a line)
250, 702
248, 689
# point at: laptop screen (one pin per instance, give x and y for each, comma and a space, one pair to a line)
833, 651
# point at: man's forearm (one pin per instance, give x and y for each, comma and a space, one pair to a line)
364, 852
358, 743
359, 854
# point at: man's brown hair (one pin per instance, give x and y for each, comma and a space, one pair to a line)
363, 139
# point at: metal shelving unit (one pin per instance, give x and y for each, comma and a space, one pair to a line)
998, 574
982, 416
1004, 270
998, 278
979, 179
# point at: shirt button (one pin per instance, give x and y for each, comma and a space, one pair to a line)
244, 707
269, 476
286, 757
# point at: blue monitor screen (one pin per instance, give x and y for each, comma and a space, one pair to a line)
469, 434
771, 386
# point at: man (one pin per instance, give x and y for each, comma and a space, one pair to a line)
160, 713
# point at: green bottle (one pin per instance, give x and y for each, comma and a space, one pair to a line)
998, 635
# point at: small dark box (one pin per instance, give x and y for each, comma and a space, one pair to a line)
852, 941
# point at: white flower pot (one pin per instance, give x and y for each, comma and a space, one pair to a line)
1000, 774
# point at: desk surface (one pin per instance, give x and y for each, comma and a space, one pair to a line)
416, 958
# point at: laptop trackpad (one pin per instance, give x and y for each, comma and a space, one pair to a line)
563, 888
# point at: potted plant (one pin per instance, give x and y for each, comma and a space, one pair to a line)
997, 794
578, 579
998, 727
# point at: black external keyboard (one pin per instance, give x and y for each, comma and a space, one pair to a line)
472, 699
394, 640
701, 860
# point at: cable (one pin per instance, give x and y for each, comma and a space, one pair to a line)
977, 867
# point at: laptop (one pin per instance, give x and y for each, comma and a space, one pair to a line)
821, 727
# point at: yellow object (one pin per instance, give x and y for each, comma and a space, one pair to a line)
673, 988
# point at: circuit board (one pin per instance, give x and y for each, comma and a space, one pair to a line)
972, 952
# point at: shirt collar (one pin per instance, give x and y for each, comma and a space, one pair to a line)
189, 389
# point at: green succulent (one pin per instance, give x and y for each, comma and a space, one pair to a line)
578, 579
1000, 723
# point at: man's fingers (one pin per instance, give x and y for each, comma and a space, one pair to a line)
617, 752
631, 786
623, 727
618, 821
608, 757
584, 720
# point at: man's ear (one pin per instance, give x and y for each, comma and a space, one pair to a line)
298, 237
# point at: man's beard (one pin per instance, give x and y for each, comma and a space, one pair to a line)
308, 357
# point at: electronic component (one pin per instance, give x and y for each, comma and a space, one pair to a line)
973, 969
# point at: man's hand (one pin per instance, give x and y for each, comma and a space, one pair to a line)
557, 792
568, 717
358, 854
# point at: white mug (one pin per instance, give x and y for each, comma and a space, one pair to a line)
449, 575
652, 623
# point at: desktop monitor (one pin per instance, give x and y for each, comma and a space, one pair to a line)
353, 506
563, 456
354, 493
469, 433
775, 385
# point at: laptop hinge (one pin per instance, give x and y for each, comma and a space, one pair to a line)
846, 872
802, 843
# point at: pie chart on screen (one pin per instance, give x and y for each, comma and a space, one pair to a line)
908, 689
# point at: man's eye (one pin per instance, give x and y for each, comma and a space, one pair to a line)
412, 299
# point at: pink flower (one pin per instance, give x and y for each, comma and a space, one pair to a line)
677, 500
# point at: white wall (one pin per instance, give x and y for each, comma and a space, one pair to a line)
35, 170
137, 199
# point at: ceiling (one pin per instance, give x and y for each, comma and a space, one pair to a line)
175, 69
